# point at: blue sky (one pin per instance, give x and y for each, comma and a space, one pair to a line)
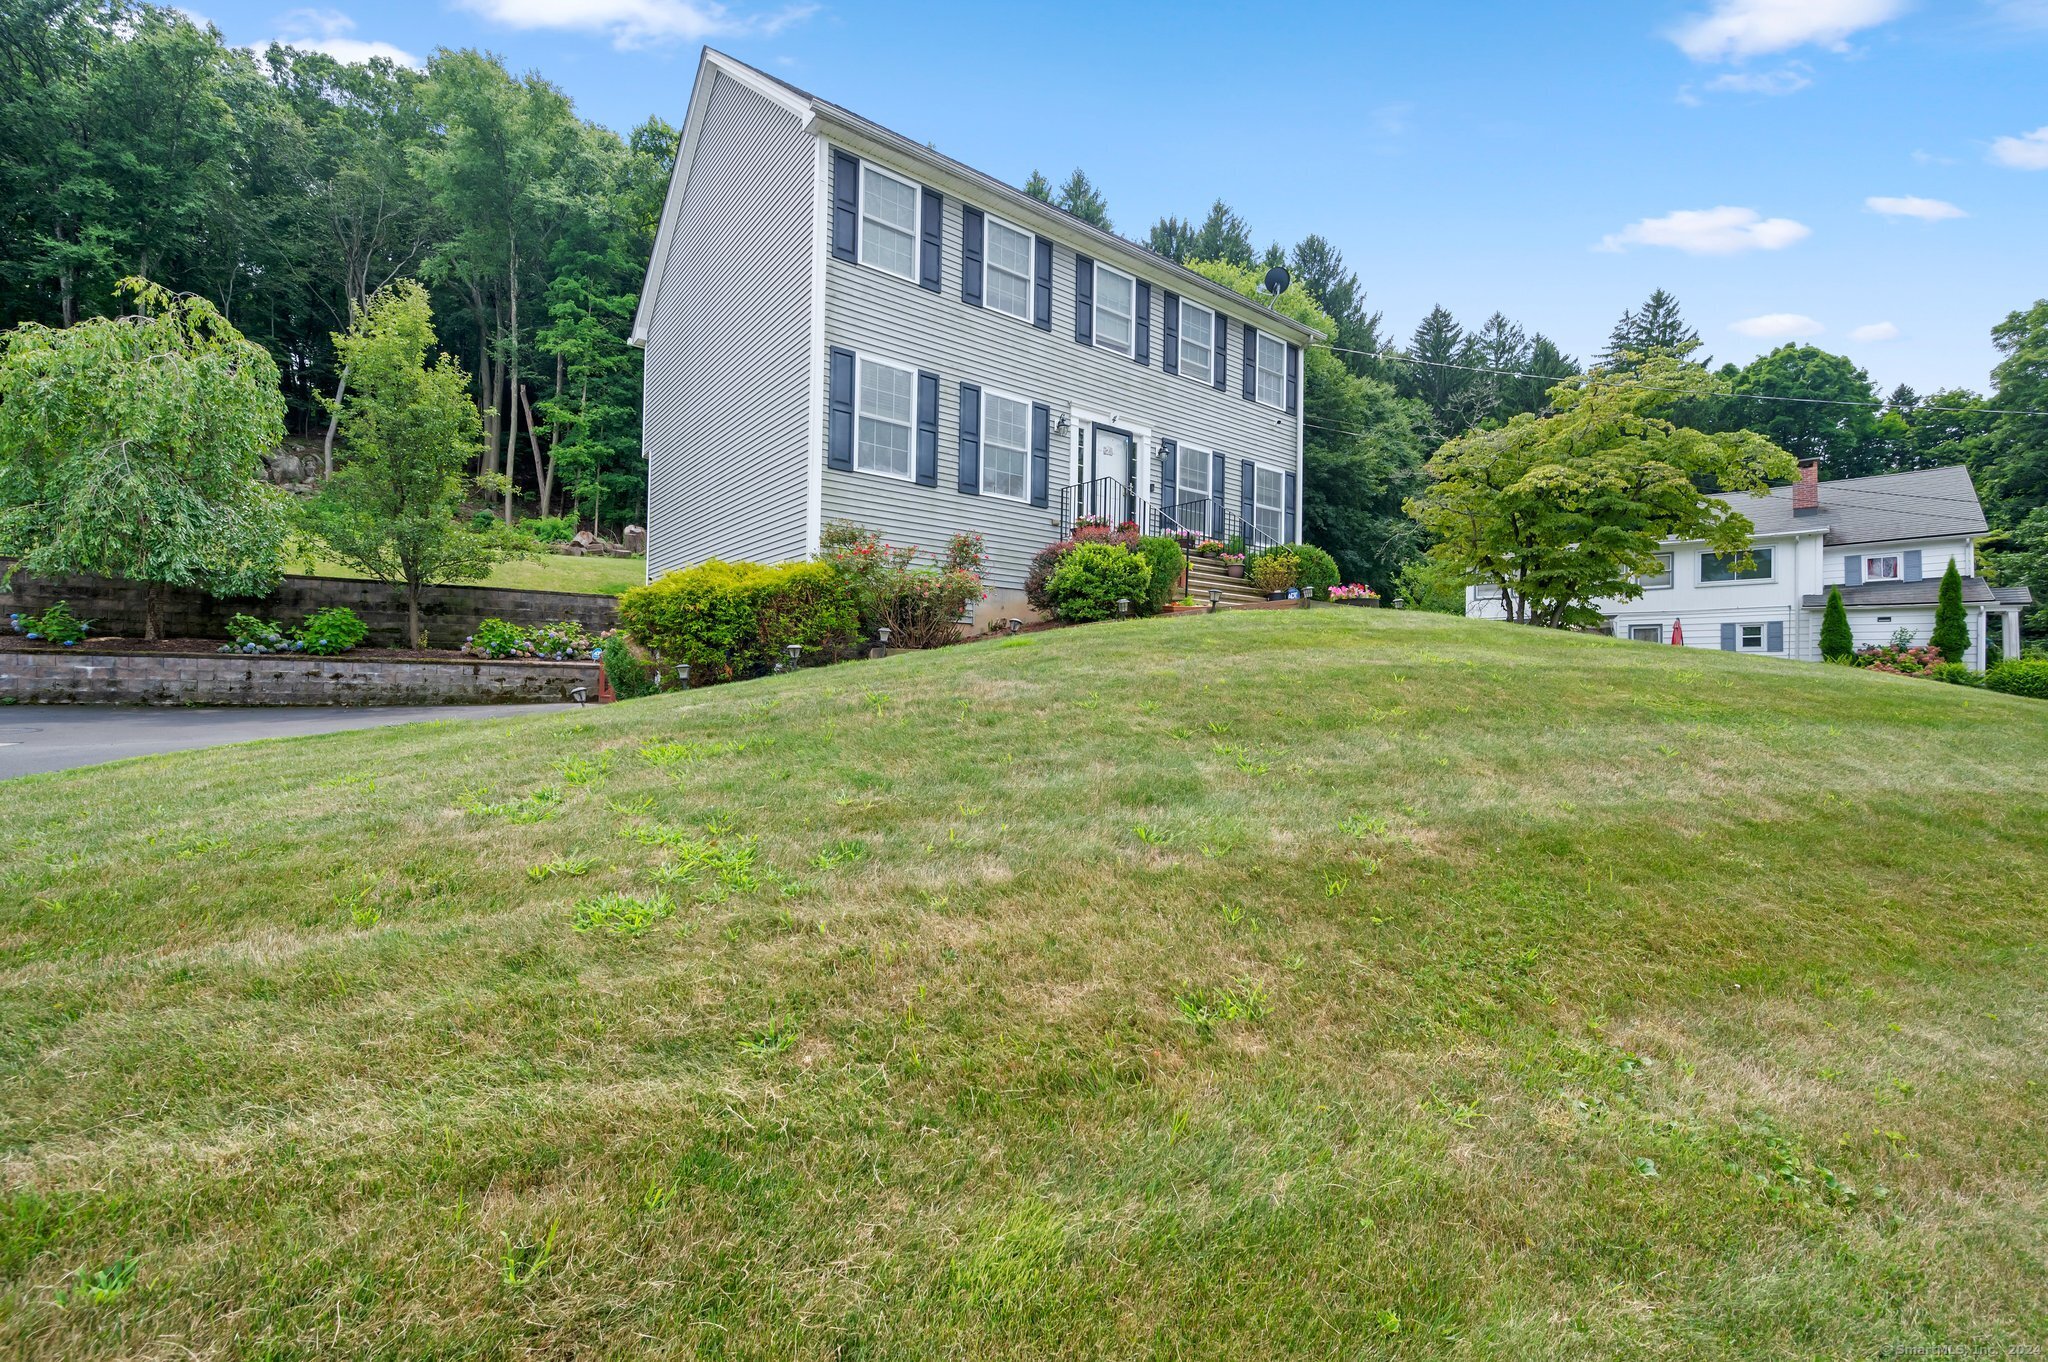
1871, 175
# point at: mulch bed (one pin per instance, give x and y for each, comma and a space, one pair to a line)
210, 647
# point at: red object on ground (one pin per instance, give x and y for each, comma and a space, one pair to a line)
605, 693
1677, 634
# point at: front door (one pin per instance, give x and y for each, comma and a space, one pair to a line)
1110, 474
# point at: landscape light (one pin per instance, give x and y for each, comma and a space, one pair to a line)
1215, 599
683, 675
578, 694
1123, 607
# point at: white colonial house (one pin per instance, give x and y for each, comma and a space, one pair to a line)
1884, 541
843, 324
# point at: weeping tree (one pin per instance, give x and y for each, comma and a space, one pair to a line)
133, 446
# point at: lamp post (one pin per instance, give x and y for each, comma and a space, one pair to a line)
683, 676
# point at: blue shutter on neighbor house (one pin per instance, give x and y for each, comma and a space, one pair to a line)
970, 439
1912, 565
1142, 350
1293, 377
839, 425
1169, 474
1852, 570
1084, 300
1728, 638
845, 205
1219, 358
1774, 636
1245, 517
927, 428
972, 228
1219, 469
1169, 334
1041, 451
1041, 283
1251, 362
934, 227
1290, 510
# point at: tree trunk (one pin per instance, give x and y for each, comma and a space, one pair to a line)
543, 471
153, 611
412, 614
512, 440
333, 418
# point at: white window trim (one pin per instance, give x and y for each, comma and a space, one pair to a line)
860, 219
858, 360
1180, 360
1657, 627
1183, 454
1257, 336
1030, 274
1741, 581
1130, 347
1763, 638
1280, 531
1897, 560
986, 394
1671, 571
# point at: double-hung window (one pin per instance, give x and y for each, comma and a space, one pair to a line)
1116, 298
887, 408
1651, 581
1197, 341
1269, 510
1881, 568
888, 221
1271, 386
1006, 277
1646, 633
1753, 638
1005, 446
1191, 475
1719, 567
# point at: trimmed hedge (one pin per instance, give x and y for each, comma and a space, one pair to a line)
1166, 560
1313, 569
728, 620
2026, 676
1092, 577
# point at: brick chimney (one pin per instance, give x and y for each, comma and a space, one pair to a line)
1806, 491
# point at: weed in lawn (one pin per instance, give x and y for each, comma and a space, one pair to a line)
622, 914
659, 1196
1206, 1008
772, 1039
194, 847
584, 772
536, 807
1361, 825
846, 851
1151, 836
1335, 885
569, 867
102, 1286
521, 1263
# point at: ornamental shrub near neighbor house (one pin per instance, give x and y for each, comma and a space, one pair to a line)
1837, 639
1951, 629
1093, 577
2026, 676
1954, 674
726, 620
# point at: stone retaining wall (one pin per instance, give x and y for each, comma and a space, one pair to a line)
108, 678
448, 614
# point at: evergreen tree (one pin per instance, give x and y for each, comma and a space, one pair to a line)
1083, 200
1223, 236
1172, 238
1547, 366
1319, 268
1440, 371
1837, 641
1951, 630
1657, 329
1038, 187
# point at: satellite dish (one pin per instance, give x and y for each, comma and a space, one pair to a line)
1277, 280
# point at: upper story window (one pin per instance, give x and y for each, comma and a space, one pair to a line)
888, 221
1005, 446
1650, 581
1006, 279
1716, 567
1881, 568
1115, 308
1197, 340
1272, 375
887, 407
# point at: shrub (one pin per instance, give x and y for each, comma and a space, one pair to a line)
1901, 659
558, 642
1210, 547
1039, 574
1837, 641
920, 606
333, 630
553, 529
1163, 555
2019, 676
732, 619
1951, 631
1954, 674
253, 635
630, 675
1314, 570
1271, 572
55, 625
1092, 577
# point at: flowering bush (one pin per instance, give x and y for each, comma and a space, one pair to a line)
253, 635
1354, 592
1090, 522
1209, 547
1899, 659
919, 606
333, 630
55, 625
562, 641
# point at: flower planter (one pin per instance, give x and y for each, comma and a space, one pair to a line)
1235, 569
1370, 603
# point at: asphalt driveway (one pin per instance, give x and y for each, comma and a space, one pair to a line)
57, 737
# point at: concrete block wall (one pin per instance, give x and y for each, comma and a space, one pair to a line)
108, 678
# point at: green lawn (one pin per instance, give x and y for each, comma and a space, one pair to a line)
1285, 984
546, 572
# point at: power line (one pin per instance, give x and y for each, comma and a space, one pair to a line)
1386, 357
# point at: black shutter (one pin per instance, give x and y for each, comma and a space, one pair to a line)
1251, 362
1169, 475
1246, 520
1084, 300
1219, 360
1219, 469
972, 225
970, 439
1169, 334
1142, 351
1041, 284
934, 227
845, 205
1293, 377
1289, 494
927, 428
1041, 452
839, 428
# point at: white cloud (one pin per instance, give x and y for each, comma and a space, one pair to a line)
2029, 151
1875, 331
1710, 231
1736, 29
1784, 81
638, 23
1777, 326
327, 30
1927, 210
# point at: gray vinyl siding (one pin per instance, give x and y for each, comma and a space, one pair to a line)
727, 415
878, 314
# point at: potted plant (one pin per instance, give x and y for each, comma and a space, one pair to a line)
1233, 564
1210, 548
1354, 595
1276, 575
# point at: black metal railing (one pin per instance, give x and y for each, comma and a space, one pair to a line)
1106, 500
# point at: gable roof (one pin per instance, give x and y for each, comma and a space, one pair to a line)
1928, 504
1018, 205
1976, 591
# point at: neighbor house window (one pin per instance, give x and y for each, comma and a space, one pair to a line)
1650, 581
1271, 385
887, 406
1752, 638
888, 222
1197, 341
1115, 307
1006, 285
1882, 568
1269, 513
1646, 633
1721, 567
1005, 446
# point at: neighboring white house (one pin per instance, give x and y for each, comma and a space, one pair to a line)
1885, 541
842, 324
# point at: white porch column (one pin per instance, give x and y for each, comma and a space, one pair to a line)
2011, 642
